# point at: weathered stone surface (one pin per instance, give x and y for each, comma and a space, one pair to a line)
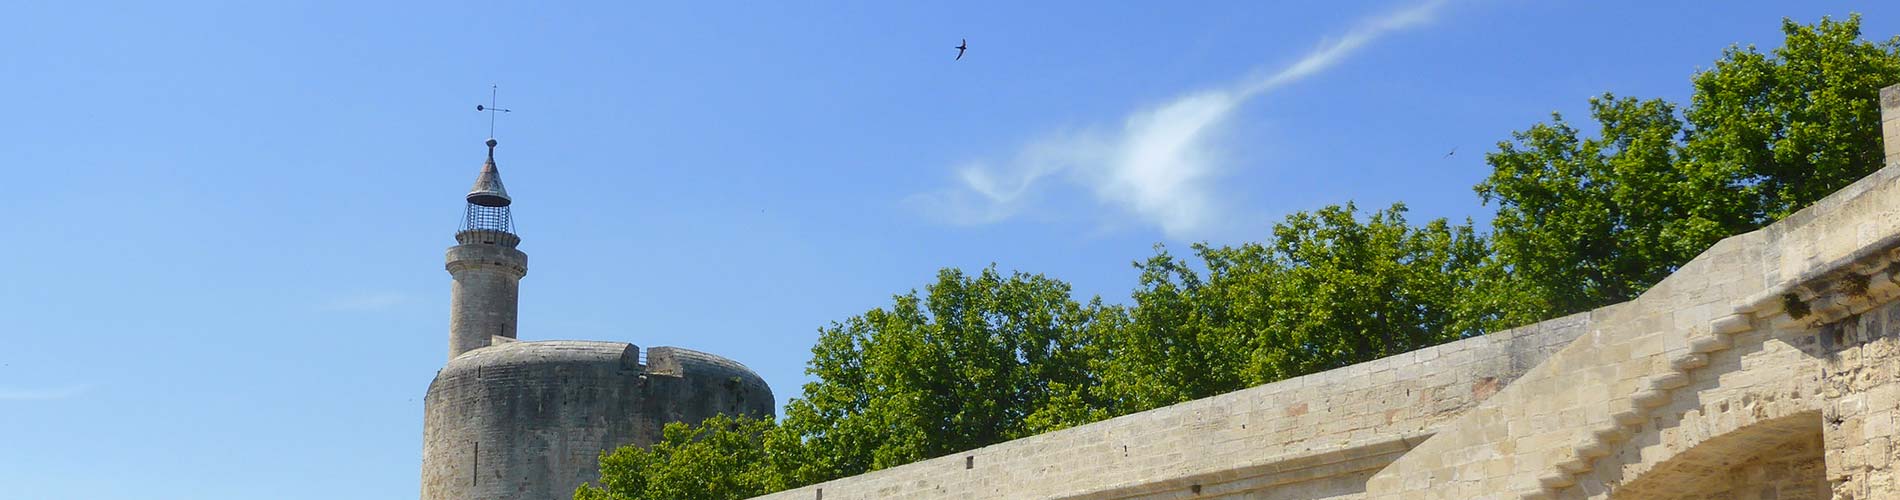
1890, 121
528, 420
485, 293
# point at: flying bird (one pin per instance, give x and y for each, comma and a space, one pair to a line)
1454, 150
962, 47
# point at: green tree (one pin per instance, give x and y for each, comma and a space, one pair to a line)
1586, 222
1794, 125
976, 360
1353, 291
719, 459
1166, 354
1327, 290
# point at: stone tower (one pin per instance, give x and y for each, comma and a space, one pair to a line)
486, 266
508, 419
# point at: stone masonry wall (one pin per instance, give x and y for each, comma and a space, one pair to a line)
1861, 403
684, 385
484, 295
1302, 431
529, 420
1731, 327
1863, 399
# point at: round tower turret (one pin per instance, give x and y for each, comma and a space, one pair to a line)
485, 265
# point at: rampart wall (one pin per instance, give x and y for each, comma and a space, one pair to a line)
1297, 433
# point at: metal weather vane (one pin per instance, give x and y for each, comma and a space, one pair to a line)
493, 92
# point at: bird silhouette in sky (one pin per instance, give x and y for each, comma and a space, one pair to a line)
961, 47
1454, 150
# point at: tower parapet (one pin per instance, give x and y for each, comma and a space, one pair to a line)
485, 265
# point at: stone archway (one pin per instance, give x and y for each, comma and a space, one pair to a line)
1780, 459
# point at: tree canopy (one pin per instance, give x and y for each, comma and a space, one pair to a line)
978, 359
720, 458
1326, 290
1584, 222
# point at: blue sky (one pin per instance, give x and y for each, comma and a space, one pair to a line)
225, 221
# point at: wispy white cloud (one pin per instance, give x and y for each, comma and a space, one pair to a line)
1160, 165
365, 301
46, 394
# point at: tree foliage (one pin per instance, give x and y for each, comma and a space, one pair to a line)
1586, 222
1326, 290
1789, 127
720, 458
976, 360
1581, 221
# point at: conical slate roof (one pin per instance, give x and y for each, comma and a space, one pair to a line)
488, 191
